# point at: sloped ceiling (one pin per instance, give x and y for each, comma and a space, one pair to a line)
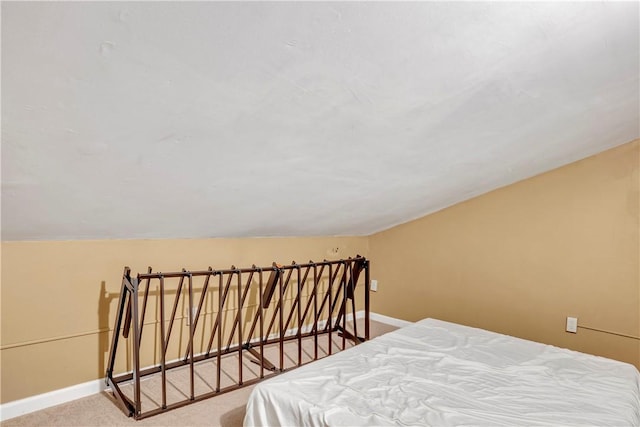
206, 119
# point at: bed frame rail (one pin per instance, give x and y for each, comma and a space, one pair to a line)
253, 309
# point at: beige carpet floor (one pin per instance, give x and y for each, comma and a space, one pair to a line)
100, 409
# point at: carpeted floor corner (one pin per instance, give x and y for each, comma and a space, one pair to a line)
226, 410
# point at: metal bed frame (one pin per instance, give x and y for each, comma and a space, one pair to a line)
330, 287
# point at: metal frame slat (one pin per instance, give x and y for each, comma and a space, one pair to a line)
200, 303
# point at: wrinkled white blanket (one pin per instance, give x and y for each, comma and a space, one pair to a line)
443, 374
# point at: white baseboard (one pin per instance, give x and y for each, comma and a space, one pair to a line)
57, 397
386, 319
42, 401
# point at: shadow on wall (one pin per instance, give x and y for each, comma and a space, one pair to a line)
104, 302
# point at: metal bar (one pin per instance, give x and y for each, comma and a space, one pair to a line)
271, 284
116, 327
222, 301
218, 328
265, 297
133, 299
367, 290
175, 308
314, 293
261, 311
144, 303
202, 298
340, 298
330, 285
299, 304
197, 399
255, 323
124, 402
268, 295
264, 363
127, 319
279, 306
315, 310
351, 291
180, 362
296, 302
328, 295
185, 273
239, 328
354, 274
241, 300
191, 333
164, 349
281, 344
344, 306
356, 268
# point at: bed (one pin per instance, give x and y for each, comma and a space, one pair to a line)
444, 374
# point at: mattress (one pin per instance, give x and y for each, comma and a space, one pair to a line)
443, 374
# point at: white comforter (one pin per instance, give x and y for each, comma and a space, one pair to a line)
443, 374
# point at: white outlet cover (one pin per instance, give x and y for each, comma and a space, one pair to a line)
572, 324
374, 285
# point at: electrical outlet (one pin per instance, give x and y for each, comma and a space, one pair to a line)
572, 324
374, 285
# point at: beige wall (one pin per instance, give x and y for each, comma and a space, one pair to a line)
55, 289
517, 260
520, 259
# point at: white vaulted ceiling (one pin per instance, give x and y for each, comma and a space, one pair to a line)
206, 119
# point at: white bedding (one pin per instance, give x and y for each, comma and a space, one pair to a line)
443, 374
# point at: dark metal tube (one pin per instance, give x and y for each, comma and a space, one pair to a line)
116, 328
262, 337
352, 292
240, 327
195, 321
173, 312
180, 363
278, 309
133, 298
316, 279
191, 333
281, 343
299, 319
218, 326
344, 308
241, 301
295, 302
328, 295
185, 273
314, 295
163, 351
144, 303
331, 279
222, 301
367, 289
337, 299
